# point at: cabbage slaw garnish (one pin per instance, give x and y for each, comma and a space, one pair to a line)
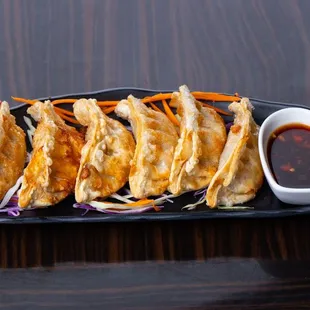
10, 193
192, 206
202, 199
9, 203
128, 207
31, 130
88, 207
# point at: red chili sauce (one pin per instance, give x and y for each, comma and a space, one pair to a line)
289, 155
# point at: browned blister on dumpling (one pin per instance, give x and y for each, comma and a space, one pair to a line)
240, 173
106, 156
156, 138
12, 150
202, 139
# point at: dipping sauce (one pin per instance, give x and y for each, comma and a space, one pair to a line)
289, 155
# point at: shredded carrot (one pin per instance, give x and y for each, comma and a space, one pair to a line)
156, 208
136, 204
108, 110
100, 103
198, 95
63, 111
170, 114
59, 101
173, 104
157, 97
214, 96
107, 103
215, 108
156, 108
140, 202
67, 118
110, 105
23, 100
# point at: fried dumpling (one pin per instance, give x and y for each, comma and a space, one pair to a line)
240, 173
12, 150
156, 138
202, 139
106, 156
52, 170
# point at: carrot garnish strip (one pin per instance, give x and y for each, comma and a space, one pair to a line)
173, 104
59, 101
215, 109
110, 105
214, 96
23, 100
33, 101
107, 103
63, 111
67, 118
156, 108
108, 110
157, 209
140, 202
125, 206
157, 97
170, 114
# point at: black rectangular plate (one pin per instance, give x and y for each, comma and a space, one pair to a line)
265, 205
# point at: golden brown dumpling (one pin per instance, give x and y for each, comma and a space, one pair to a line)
240, 174
106, 156
202, 139
51, 173
156, 138
12, 150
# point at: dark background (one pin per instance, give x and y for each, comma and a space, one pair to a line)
258, 48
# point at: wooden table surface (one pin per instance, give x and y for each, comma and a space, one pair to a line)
148, 285
258, 48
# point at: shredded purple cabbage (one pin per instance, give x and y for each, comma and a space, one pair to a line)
12, 208
202, 193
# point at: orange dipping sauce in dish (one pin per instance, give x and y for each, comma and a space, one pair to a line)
288, 154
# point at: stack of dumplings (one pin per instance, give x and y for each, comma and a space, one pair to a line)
154, 158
